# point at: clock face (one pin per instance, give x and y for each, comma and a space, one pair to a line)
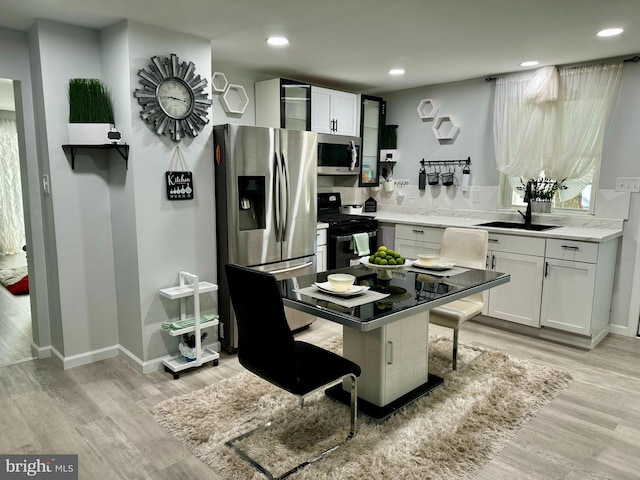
174, 97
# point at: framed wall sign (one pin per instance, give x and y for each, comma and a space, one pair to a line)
178, 179
179, 185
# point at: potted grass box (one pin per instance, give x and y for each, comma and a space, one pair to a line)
90, 112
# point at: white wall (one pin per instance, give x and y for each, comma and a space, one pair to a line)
170, 235
79, 199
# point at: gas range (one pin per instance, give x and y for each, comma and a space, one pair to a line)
330, 211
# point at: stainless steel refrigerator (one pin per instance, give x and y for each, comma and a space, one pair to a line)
265, 190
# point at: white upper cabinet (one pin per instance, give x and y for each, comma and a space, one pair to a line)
334, 112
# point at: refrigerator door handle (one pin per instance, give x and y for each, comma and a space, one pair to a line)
291, 269
276, 194
286, 191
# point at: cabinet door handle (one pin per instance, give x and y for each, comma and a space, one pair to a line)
493, 262
569, 247
418, 231
486, 263
546, 269
493, 240
389, 352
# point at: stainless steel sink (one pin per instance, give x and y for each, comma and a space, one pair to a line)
536, 227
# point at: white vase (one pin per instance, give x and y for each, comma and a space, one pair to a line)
389, 185
88, 133
540, 207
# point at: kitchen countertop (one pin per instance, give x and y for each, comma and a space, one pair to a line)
582, 228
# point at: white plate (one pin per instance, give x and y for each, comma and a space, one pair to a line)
365, 261
435, 268
352, 291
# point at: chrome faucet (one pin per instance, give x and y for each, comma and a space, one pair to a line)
527, 198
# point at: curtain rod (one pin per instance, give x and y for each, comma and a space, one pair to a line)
634, 59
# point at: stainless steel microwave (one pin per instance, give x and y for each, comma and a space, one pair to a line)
338, 155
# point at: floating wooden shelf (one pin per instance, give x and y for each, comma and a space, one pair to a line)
123, 150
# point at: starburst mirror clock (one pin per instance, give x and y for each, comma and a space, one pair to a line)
173, 98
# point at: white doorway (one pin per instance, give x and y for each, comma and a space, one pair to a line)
15, 310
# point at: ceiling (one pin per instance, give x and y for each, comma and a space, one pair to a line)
352, 44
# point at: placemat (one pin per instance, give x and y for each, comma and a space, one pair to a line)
349, 302
450, 272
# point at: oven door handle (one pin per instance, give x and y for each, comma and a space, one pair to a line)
347, 238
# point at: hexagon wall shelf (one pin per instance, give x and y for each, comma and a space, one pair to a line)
428, 109
219, 82
234, 99
445, 127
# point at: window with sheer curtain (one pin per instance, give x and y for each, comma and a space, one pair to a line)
551, 123
11, 214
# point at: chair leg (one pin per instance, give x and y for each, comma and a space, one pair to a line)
354, 427
455, 349
354, 406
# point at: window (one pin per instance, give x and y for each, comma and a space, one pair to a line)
576, 198
551, 124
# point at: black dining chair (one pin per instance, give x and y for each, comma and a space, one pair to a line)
267, 348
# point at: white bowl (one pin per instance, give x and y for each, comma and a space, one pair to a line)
341, 281
428, 259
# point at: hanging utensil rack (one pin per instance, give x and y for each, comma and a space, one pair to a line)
433, 163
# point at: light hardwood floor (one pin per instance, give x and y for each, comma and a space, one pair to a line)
15, 318
102, 412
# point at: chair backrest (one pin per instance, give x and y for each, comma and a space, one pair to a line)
466, 247
265, 342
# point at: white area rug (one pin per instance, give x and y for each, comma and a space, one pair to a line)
449, 434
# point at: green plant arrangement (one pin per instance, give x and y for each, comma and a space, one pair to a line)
543, 189
89, 101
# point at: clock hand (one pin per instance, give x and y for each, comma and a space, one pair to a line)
173, 98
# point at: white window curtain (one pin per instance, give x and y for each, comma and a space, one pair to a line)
587, 98
12, 237
554, 122
524, 122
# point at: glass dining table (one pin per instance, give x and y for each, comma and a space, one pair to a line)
386, 325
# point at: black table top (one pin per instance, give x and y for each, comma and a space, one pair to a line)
410, 293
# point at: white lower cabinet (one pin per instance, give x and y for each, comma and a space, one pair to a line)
563, 285
523, 258
578, 286
411, 240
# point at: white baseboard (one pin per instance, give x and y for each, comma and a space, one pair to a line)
40, 352
155, 364
141, 366
72, 361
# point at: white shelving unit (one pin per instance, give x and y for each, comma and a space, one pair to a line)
190, 286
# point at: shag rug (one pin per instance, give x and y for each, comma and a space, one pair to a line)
15, 280
448, 434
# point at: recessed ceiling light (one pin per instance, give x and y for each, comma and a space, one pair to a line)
396, 71
610, 32
278, 41
530, 63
